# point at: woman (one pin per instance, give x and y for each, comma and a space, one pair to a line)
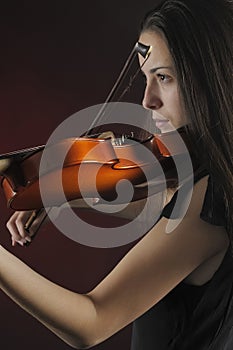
177, 287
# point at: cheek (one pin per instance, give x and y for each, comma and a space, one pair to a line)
177, 105
173, 102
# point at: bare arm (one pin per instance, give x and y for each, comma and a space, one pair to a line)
145, 275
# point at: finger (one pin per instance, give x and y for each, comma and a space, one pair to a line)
35, 221
95, 200
23, 225
13, 227
20, 222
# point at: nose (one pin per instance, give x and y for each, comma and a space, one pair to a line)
152, 99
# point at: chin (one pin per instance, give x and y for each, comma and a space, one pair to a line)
167, 129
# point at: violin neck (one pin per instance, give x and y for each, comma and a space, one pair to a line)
21, 154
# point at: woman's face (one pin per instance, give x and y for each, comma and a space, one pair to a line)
161, 93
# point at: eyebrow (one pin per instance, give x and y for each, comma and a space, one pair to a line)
153, 70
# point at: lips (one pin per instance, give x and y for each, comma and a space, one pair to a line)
161, 122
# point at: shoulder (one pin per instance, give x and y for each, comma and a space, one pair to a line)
184, 243
199, 238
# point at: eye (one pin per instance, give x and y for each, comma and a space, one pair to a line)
164, 78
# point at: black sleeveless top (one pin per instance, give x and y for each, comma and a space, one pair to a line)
193, 317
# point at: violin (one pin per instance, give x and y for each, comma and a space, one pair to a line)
110, 159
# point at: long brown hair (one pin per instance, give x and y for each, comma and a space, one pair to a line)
199, 34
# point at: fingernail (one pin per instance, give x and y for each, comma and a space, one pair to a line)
28, 239
95, 200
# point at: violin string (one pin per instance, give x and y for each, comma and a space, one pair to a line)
117, 85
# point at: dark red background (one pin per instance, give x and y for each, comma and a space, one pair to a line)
58, 57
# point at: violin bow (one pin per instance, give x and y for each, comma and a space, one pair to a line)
138, 48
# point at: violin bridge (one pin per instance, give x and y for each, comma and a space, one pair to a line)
107, 135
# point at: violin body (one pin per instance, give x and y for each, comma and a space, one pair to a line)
92, 168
